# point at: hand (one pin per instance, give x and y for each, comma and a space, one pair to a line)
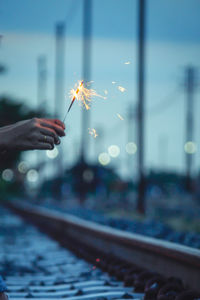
32, 134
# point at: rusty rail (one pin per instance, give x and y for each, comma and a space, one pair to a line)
166, 258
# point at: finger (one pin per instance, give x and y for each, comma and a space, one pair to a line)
59, 130
57, 121
47, 139
44, 146
50, 132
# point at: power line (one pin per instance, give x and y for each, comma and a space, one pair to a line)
73, 9
159, 108
165, 103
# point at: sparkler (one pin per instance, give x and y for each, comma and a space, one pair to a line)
74, 96
82, 94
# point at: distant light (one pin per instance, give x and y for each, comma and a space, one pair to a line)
131, 148
23, 167
32, 175
7, 175
88, 175
114, 150
52, 153
104, 158
121, 89
190, 147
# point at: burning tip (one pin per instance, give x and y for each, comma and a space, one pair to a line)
83, 94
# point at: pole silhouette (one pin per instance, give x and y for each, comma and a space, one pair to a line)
59, 83
130, 135
42, 81
41, 101
141, 99
190, 86
87, 28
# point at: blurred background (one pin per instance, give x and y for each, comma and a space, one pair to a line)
142, 57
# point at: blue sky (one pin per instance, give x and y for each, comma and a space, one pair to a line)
173, 42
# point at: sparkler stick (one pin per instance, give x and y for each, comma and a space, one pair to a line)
69, 109
73, 99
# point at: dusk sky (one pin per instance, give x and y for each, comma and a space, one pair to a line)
172, 43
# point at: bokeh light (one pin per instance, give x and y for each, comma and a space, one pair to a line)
190, 147
114, 151
32, 175
7, 175
23, 167
52, 153
131, 148
104, 158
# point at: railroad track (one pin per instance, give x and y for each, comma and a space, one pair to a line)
149, 268
37, 267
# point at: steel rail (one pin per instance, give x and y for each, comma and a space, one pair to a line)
166, 258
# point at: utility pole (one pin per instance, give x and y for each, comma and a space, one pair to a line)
59, 83
130, 136
42, 81
98, 143
2, 67
190, 76
87, 28
130, 120
162, 151
140, 95
41, 100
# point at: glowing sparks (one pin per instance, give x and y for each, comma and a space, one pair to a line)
89, 83
120, 117
84, 95
121, 89
93, 132
127, 63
